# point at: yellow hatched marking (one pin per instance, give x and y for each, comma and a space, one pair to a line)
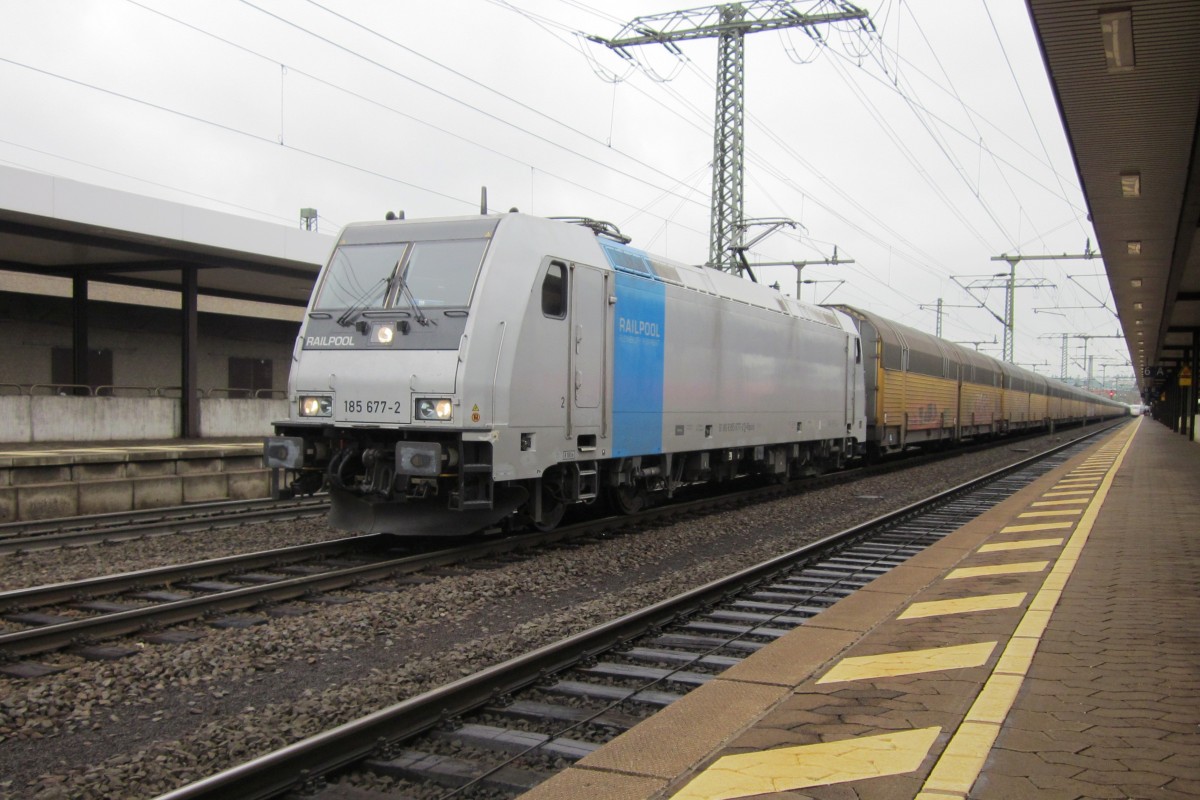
1074, 502
997, 569
1088, 492
965, 605
1031, 544
1036, 526
1077, 484
1061, 512
958, 768
789, 768
909, 662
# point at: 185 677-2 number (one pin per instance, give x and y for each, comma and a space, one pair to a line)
372, 406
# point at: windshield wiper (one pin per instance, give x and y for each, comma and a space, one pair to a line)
422, 320
348, 317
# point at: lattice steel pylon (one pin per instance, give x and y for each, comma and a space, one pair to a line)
728, 23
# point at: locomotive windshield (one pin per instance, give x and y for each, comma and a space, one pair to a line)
427, 274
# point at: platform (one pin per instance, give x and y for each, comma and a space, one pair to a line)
39, 481
1048, 649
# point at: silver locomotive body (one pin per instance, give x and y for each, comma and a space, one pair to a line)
453, 374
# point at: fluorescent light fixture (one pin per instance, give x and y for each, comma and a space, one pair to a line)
1138, 306
1134, 247
1135, 283
1137, 322
1131, 184
1116, 28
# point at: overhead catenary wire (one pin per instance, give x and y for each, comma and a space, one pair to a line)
777, 183
391, 109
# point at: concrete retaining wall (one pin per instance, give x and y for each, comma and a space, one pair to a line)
44, 485
221, 416
53, 418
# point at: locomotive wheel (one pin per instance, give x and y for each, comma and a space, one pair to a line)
552, 513
628, 499
553, 508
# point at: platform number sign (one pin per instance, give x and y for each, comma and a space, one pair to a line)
1158, 374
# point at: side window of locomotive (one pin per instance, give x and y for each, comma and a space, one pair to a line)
554, 291
858, 351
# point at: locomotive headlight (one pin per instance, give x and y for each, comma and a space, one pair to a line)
383, 334
316, 406
434, 408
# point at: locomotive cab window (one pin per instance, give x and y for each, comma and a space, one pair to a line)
554, 291
405, 275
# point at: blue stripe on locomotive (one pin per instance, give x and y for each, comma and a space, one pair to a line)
638, 364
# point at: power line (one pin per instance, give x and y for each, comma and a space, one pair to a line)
729, 25
1037, 132
384, 106
494, 117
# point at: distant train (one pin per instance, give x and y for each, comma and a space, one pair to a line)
455, 374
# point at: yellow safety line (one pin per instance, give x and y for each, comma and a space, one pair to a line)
959, 765
900, 752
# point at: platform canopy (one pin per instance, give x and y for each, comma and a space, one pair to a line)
1126, 76
56, 227
59, 227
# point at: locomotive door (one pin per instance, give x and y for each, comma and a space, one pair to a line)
588, 363
853, 371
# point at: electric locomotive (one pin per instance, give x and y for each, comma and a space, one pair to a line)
457, 374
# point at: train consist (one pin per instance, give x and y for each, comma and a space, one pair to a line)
461, 373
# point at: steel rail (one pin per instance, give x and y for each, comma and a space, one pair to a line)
292, 766
56, 636
21, 537
56, 593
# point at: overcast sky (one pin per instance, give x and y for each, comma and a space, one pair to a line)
920, 150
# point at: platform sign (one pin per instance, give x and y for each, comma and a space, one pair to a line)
1160, 375
1185, 375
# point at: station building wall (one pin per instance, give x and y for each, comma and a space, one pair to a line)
142, 344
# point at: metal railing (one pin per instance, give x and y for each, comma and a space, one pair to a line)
115, 390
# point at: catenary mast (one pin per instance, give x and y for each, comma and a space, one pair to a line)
728, 23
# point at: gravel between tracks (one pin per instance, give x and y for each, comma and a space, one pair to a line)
171, 714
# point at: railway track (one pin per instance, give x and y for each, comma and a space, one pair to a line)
27, 536
245, 590
504, 729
